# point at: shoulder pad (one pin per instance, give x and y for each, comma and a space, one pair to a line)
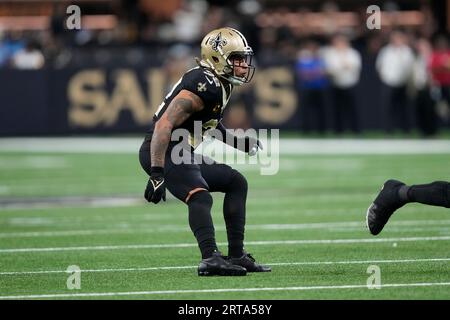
201, 81
204, 84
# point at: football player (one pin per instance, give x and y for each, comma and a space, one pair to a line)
395, 194
200, 96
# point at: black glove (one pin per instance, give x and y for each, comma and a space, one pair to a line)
252, 145
156, 188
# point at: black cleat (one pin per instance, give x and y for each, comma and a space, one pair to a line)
384, 206
249, 263
216, 265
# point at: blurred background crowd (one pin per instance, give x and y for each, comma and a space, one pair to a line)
327, 46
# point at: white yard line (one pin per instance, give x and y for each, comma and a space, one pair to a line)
192, 267
351, 225
253, 243
162, 292
286, 146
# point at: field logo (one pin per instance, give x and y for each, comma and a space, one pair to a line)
374, 20
74, 280
73, 21
374, 280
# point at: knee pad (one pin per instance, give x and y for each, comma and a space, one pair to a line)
238, 181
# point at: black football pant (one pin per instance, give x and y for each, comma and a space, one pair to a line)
192, 183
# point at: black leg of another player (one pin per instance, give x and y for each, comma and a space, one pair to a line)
435, 194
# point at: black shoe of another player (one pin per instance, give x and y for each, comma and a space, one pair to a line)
384, 206
249, 263
216, 265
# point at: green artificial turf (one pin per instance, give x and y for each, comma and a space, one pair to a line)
124, 249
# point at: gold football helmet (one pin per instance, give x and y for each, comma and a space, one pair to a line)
221, 48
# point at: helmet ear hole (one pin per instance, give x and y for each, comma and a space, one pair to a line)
216, 60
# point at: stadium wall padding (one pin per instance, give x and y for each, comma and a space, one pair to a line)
110, 100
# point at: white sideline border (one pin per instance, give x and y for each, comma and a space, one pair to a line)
304, 263
287, 146
304, 288
253, 243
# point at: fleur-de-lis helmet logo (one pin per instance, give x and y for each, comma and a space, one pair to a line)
217, 42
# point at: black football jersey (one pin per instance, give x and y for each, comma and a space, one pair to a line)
214, 93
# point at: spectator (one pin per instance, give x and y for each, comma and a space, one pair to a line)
28, 58
440, 69
425, 111
312, 87
268, 52
188, 20
9, 46
343, 64
3, 50
395, 66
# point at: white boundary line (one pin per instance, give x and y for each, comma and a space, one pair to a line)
132, 293
287, 146
180, 228
192, 267
254, 243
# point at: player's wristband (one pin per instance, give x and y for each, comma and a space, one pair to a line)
157, 172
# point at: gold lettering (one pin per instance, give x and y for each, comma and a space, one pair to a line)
127, 95
275, 104
156, 88
87, 98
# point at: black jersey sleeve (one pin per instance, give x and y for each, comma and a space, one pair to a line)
204, 85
